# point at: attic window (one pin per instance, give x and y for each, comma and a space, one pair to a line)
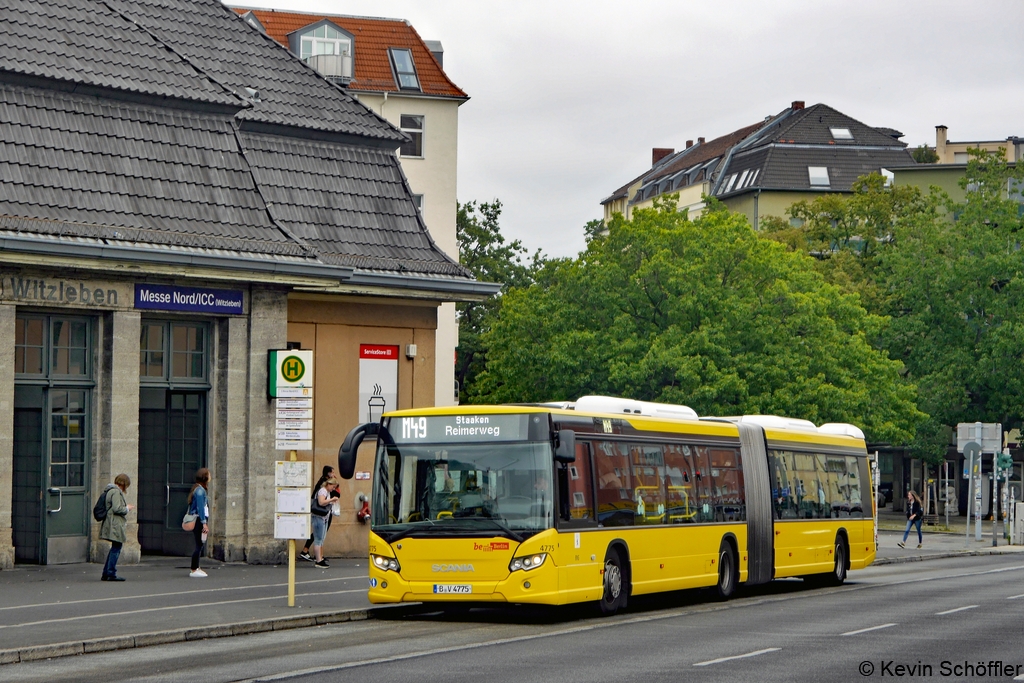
405, 69
841, 134
818, 176
325, 40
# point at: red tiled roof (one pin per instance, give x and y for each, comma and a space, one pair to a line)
373, 37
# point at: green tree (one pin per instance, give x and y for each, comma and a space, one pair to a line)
847, 232
956, 295
485, 252
923, 154
702, 312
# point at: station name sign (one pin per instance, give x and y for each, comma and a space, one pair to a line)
190, 299
54, 291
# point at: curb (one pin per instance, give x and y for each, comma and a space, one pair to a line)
37, 652
939, 556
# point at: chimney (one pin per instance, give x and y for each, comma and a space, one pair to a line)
659, 153
689, 144
940, 143
700, 141
797, 104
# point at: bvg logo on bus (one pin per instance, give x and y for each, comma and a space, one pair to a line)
292, 369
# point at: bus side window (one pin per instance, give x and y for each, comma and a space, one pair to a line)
615, 504
648, 484
681, 501
729, 495
783, 486
579, 503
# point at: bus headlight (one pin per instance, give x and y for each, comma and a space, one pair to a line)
388, 564
528, 562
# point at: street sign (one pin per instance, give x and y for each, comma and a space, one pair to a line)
972, 454
290, 381
989, 435
289, 370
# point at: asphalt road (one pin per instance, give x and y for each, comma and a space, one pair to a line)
957, 610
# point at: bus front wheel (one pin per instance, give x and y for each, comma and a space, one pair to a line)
727, 572
613, 598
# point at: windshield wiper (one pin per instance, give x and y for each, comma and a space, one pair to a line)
413, 526
508, 532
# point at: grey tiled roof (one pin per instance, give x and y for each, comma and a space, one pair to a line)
84, 42
778, 155
223, 45
82, 166
787, 168
351, 204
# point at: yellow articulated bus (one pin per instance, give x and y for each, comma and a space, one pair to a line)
606, 498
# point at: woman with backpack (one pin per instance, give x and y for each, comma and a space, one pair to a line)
115, 524
198, 505
915, 514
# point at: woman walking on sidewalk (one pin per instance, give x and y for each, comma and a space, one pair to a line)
115, 525
915, 513
198, 504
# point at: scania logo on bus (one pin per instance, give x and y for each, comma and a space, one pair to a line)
452, 568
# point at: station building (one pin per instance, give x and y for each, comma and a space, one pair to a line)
180, 195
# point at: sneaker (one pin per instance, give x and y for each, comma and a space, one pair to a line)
918, 546
901, 545
305, 556
322, 564
197, 574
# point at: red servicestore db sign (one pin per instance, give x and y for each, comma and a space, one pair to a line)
378, 352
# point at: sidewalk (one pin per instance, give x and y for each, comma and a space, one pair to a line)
937, 544
60, 610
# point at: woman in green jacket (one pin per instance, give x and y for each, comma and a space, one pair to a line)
115, 525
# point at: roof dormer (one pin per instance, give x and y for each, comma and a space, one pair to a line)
326, 47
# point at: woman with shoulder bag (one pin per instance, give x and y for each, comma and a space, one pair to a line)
320, 511
198, 505
915, 514
328, 473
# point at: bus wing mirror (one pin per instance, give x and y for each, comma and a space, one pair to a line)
565, 445
350, 446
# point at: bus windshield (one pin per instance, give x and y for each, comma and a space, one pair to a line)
478, 489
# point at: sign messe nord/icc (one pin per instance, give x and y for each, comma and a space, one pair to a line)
192, 299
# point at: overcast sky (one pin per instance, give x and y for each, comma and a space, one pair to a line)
568, 98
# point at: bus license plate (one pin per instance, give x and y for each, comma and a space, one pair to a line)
453, 588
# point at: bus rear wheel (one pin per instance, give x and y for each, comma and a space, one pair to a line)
727, 572
838, 575
613, 598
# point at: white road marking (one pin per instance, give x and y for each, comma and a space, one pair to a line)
1015, 597
865, 630
170, 607
958, 609
729, 659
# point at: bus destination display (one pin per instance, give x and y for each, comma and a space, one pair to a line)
459, 428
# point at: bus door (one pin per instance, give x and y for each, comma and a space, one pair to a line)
580, 550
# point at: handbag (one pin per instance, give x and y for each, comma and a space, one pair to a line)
188, 522
318, 509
